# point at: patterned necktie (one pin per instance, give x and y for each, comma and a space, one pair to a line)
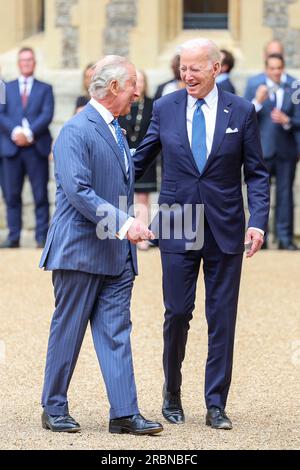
24, 94
120, 141
199, 136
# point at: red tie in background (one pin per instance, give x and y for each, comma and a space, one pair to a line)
24, 94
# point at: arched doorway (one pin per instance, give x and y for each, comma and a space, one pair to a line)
205, 14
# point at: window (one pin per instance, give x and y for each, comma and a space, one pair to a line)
205, 14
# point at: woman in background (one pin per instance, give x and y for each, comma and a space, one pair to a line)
81, 101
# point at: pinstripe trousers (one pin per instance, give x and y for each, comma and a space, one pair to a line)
105, 301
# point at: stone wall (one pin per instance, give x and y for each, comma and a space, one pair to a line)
121, 17
276, 16
70, 36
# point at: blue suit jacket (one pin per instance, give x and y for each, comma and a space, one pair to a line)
274, 138
90, 178
39, 113
260, 79
219, 186
227, 85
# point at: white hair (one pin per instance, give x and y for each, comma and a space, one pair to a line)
111, 67
214, 54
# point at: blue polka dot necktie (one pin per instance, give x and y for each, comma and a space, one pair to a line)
199, 136
120, 141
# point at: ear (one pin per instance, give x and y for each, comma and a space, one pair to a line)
114, 87
216, 69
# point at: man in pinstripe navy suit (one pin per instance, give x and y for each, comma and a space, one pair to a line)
91, 250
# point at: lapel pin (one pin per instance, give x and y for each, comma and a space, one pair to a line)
226, 111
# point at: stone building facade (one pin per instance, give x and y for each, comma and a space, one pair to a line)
68, 34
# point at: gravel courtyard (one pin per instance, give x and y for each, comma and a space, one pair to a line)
265, 393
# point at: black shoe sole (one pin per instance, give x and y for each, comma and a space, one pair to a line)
122, 430
49, 428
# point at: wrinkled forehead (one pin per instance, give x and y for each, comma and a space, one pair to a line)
197, 55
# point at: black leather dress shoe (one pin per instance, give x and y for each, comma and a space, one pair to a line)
135, 424
172, 408
60, 423
217, 419
10, 244
291, 246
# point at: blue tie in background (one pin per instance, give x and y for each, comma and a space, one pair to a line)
119, 135
199, 136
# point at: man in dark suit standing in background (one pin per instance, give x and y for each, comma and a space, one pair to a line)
279, 123
227, 64
207, 135
272, 47
25, 147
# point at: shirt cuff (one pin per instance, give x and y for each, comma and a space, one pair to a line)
15, 131
258, 106
258, 230
124, 229
287, 126
28, 133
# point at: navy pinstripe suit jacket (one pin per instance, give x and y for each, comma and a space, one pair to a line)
90, 178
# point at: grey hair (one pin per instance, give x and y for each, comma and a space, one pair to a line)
214, 53
111, 67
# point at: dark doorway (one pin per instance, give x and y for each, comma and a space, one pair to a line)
205, 14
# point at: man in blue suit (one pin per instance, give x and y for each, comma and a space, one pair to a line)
92, 259
25, 147
272, 47
207, 135
279, 122
227, 64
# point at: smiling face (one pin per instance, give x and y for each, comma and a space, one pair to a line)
198, 71
124, 97
26, 63
274, 69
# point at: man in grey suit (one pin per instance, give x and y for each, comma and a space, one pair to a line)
91, 250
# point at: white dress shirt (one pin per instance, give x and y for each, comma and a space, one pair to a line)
209, 109
108, 118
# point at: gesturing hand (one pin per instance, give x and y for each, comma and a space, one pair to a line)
257, 240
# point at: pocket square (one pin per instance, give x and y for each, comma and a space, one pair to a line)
231, 131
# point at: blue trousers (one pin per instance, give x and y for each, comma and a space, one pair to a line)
105, 302
222, 279
27, 161
284, 171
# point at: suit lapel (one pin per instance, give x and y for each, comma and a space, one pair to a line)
180, 116
222, 121
17, 94
286, 99
103, 129
31, 97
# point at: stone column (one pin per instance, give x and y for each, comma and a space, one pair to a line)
121, 16
276, 16
70, 37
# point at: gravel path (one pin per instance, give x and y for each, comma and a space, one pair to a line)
264, 399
